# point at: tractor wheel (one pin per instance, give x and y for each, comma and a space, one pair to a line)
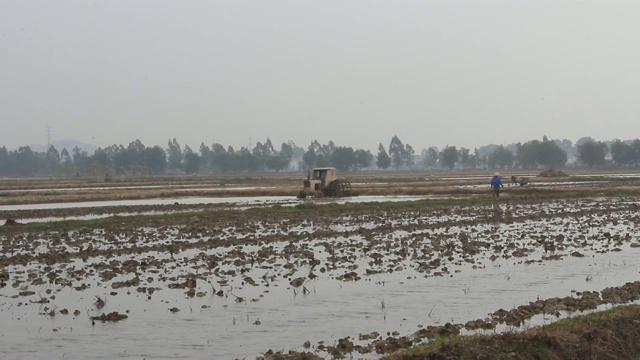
336, 188
302, 194
345, 187
330, 190
318, 194
340, 188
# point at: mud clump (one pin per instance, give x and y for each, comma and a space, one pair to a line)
112, 316
271, 355
4, 278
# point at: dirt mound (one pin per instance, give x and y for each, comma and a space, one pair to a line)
553, 173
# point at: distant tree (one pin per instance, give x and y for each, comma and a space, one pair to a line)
205, 156
26, 161
431, 157
137, 146
245, 160
465, 157
566, 145
343, 158
275, 163
220, 159
635, 151
528, 155
478, 160
175, 156
138, 159
540, 153
135, 151
621, 152
297, 153
318, 155
218, 148
155, 159
500, 158
363, 158
310, 156
124, 160
324, 153
235, 165
449, 156
129, 160
5, 162
66, 163
408, 155
383, 160
626, 153
592, 153
264, 150
52, 161
397, 152
100, 163
286, 154
584, 139
551, 155
191, 163
468, 160
263, 153
280, 161
80, 158
100, 157
482, 160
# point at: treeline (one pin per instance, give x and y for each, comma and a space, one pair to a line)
138, 159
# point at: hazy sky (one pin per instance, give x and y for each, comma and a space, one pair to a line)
434, 72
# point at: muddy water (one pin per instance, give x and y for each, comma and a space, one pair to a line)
181, 187
143, 202
275, 315
227, 329
237, 202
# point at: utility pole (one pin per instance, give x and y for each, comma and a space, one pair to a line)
48, 138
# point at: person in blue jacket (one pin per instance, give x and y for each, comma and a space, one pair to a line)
496, 184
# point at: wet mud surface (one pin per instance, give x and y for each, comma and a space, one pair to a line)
353, 280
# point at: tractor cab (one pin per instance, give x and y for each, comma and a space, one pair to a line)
323, 182
319, 179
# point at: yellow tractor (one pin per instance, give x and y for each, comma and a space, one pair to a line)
323, 182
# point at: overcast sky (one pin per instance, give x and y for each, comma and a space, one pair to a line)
434, 72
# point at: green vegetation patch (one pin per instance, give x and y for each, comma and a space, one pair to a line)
610, 334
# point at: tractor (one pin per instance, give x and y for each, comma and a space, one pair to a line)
323, 182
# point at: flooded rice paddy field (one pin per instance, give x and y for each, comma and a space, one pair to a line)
248, 278
441, 183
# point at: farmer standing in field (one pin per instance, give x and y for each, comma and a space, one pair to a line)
496, 184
